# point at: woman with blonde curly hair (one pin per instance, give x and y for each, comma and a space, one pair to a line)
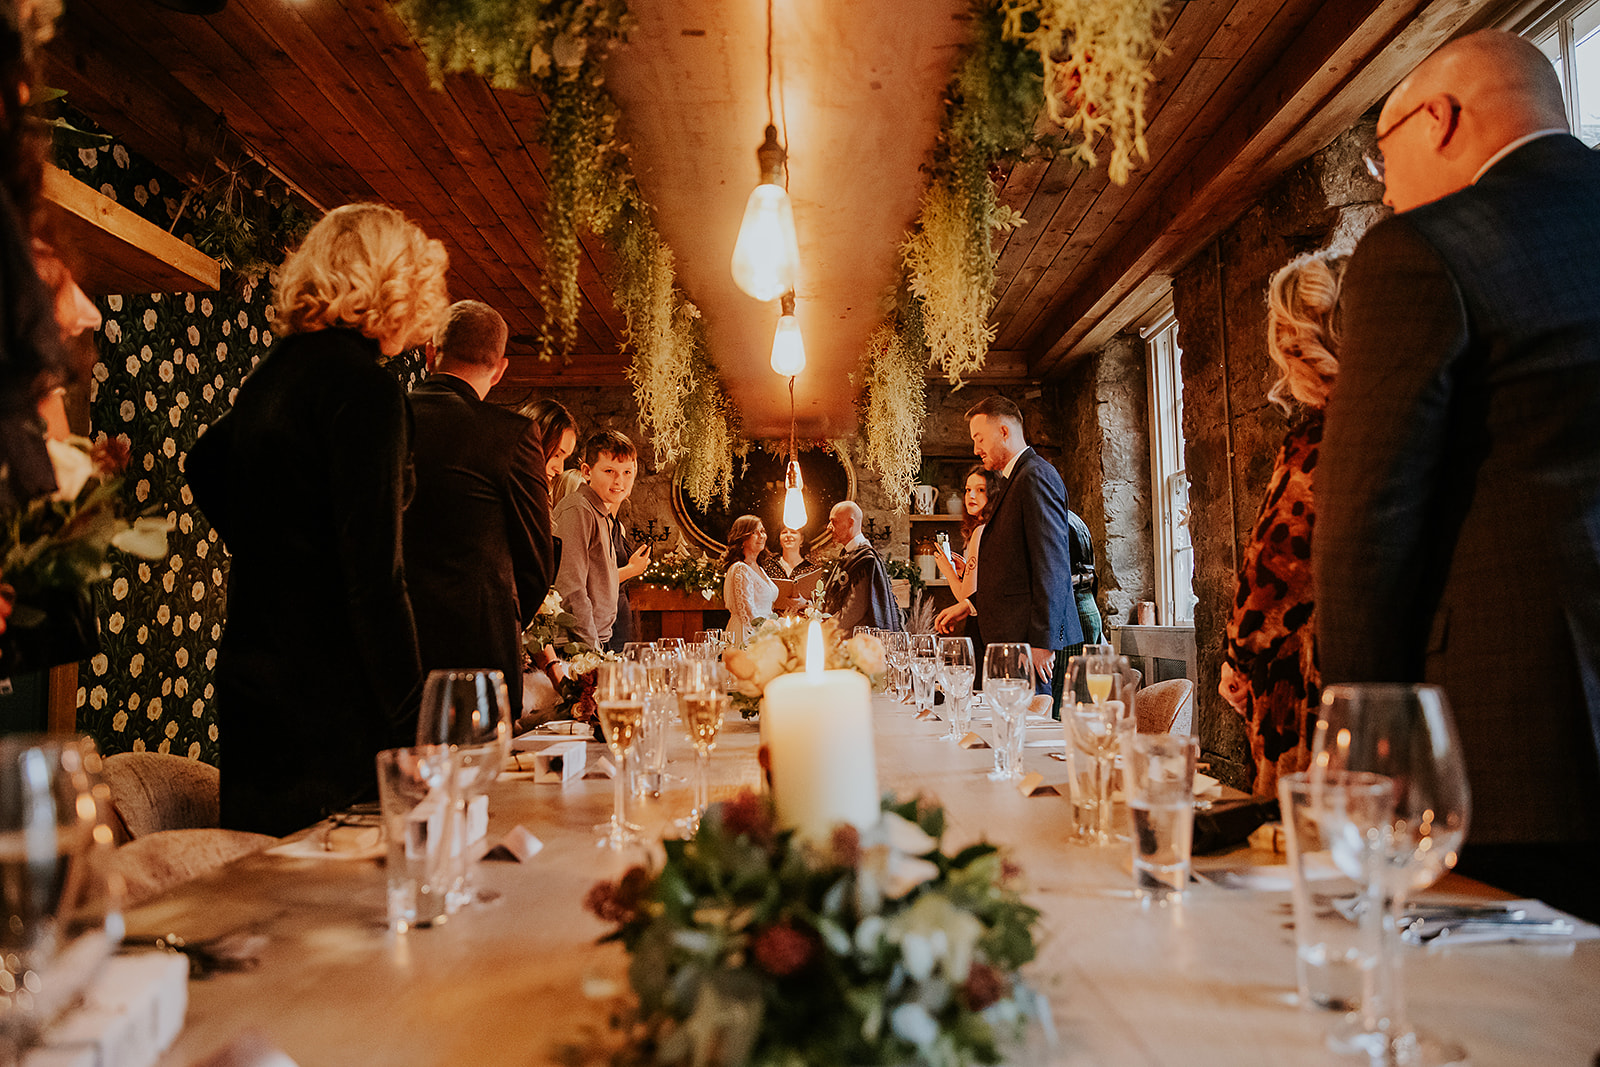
306, 479
1269, 668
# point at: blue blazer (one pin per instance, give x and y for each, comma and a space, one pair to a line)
1025, 568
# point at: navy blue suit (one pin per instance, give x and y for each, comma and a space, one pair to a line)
1024, 589
1458, 497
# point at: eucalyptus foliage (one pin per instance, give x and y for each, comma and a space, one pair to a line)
1095, 57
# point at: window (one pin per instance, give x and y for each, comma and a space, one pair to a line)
1569, 34
1170, 482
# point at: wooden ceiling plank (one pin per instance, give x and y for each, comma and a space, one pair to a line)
1187, 114
1346, 58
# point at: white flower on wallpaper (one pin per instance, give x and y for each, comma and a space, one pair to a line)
99, 663
194, 331
100, 373
177, 626
165, 369
227, 328
181, 656
114, 624
155, 187
141, 195
211, 659
255, 337
197, 709
205, 307
133, 701
144, 572
244, 320
197, 591
194, 621
201, 549
171, 731
150, 401
152, 710
191, 363
166, 584
163, 613
207, 393
150, 318
114, 302
174, 416
89, 157
216, 576
119, 721
119, 156
108, 191
222, 354
97, 697
143, 635
212, 731
185, 495
188, 303
133, 364
149, 462
113, 331
119, 588
183, 401
180, 687
141, 492
185, 526
169, 448
194, 750
94, 391
136, 664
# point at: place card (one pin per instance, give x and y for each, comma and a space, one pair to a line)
601, 768
926, 715
972, 740
556, 762
477, 818
517, 846
1033, 785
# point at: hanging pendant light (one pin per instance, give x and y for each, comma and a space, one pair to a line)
788, 349
766, 256
794, 497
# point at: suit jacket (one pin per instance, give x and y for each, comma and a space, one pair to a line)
306, 479
477, 533
587, 576
857, 591
1458, 496
1025, 578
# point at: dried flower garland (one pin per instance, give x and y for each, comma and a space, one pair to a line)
894, 404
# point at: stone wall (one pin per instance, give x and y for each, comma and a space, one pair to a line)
1231, 433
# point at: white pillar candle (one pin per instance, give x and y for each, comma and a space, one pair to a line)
818, 727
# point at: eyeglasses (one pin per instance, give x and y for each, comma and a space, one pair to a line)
1374, 158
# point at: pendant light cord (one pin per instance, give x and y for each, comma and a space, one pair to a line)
791, 417
770, 113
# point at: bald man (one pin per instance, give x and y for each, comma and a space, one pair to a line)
1458, 497
856, 591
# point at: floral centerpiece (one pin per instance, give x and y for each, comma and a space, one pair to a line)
778, 647
56, 547
555, 627
751, 946
690, 572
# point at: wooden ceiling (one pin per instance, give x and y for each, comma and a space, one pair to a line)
334, 96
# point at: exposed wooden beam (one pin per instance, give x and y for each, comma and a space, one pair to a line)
1348, 56
117, 251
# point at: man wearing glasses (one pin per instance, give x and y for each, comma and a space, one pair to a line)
1458, 497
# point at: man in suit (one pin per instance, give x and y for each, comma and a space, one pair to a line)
479, 557
1024, 589
856, 591
1458, 496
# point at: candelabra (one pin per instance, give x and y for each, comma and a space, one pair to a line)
647, 535
873, 532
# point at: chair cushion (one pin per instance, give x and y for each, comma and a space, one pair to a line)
1157, 706
154, 863
151, 792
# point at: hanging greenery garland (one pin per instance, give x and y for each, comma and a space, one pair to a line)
893, 404
1095, 56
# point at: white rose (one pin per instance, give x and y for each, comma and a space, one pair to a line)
73, 468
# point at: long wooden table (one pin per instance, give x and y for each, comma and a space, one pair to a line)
1209, 983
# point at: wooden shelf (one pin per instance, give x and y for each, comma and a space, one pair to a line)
113, 250
934, 518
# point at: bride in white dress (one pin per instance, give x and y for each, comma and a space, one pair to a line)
746, 589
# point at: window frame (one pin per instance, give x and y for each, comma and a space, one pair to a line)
1559, 19
1164, 372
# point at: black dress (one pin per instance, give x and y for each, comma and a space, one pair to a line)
306, 479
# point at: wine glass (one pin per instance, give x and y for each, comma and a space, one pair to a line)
1404, 733
619, 696
658, 666
701, 702
897, 654
672, 645
924, 668
633, 651
469, 711
956, 671
60, 899
1008, 685
1094, 711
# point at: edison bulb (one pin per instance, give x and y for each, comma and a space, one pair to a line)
766, 257
788, 350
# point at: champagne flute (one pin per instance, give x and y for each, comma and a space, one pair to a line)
924, 667
1094, 711
619, 696
1404, 733
1008, 685
701, 702
956, 671
897, 654
658, 665
469, 711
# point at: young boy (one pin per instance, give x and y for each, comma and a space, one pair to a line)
585, 523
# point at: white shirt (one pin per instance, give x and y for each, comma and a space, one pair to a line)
1012, 464
1513, 146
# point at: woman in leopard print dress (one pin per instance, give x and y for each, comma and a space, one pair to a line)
1269, 668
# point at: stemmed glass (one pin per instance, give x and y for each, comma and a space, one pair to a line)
701, 702
956, 671
469, 711
1008, 685
658, 666
673, 645
619, 696
897, 654
1094, 712
924, 668
1404, 733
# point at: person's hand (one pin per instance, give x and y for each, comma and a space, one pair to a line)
1044, 662
636, 565
952, 617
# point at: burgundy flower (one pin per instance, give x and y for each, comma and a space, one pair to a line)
749, 815
984, 986
781, 950
846, 845
1009, 872
618, 902
110, 454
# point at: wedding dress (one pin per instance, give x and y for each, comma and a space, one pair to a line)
748, 594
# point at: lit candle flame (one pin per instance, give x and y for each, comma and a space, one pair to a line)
816, 652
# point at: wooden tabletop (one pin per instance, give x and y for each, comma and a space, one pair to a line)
1210, 983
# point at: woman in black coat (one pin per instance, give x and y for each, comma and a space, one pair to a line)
306, 479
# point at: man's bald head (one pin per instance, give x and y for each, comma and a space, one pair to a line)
1462, 104
844, 522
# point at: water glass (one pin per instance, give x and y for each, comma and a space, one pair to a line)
1329, 949
1159, 782
956, 669
470, 712
651, 764
924, 669
1008, 686
619, 696
897, 654
415, 798
62, 905
1094, 713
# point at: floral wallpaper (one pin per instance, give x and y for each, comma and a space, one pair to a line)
169, 366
